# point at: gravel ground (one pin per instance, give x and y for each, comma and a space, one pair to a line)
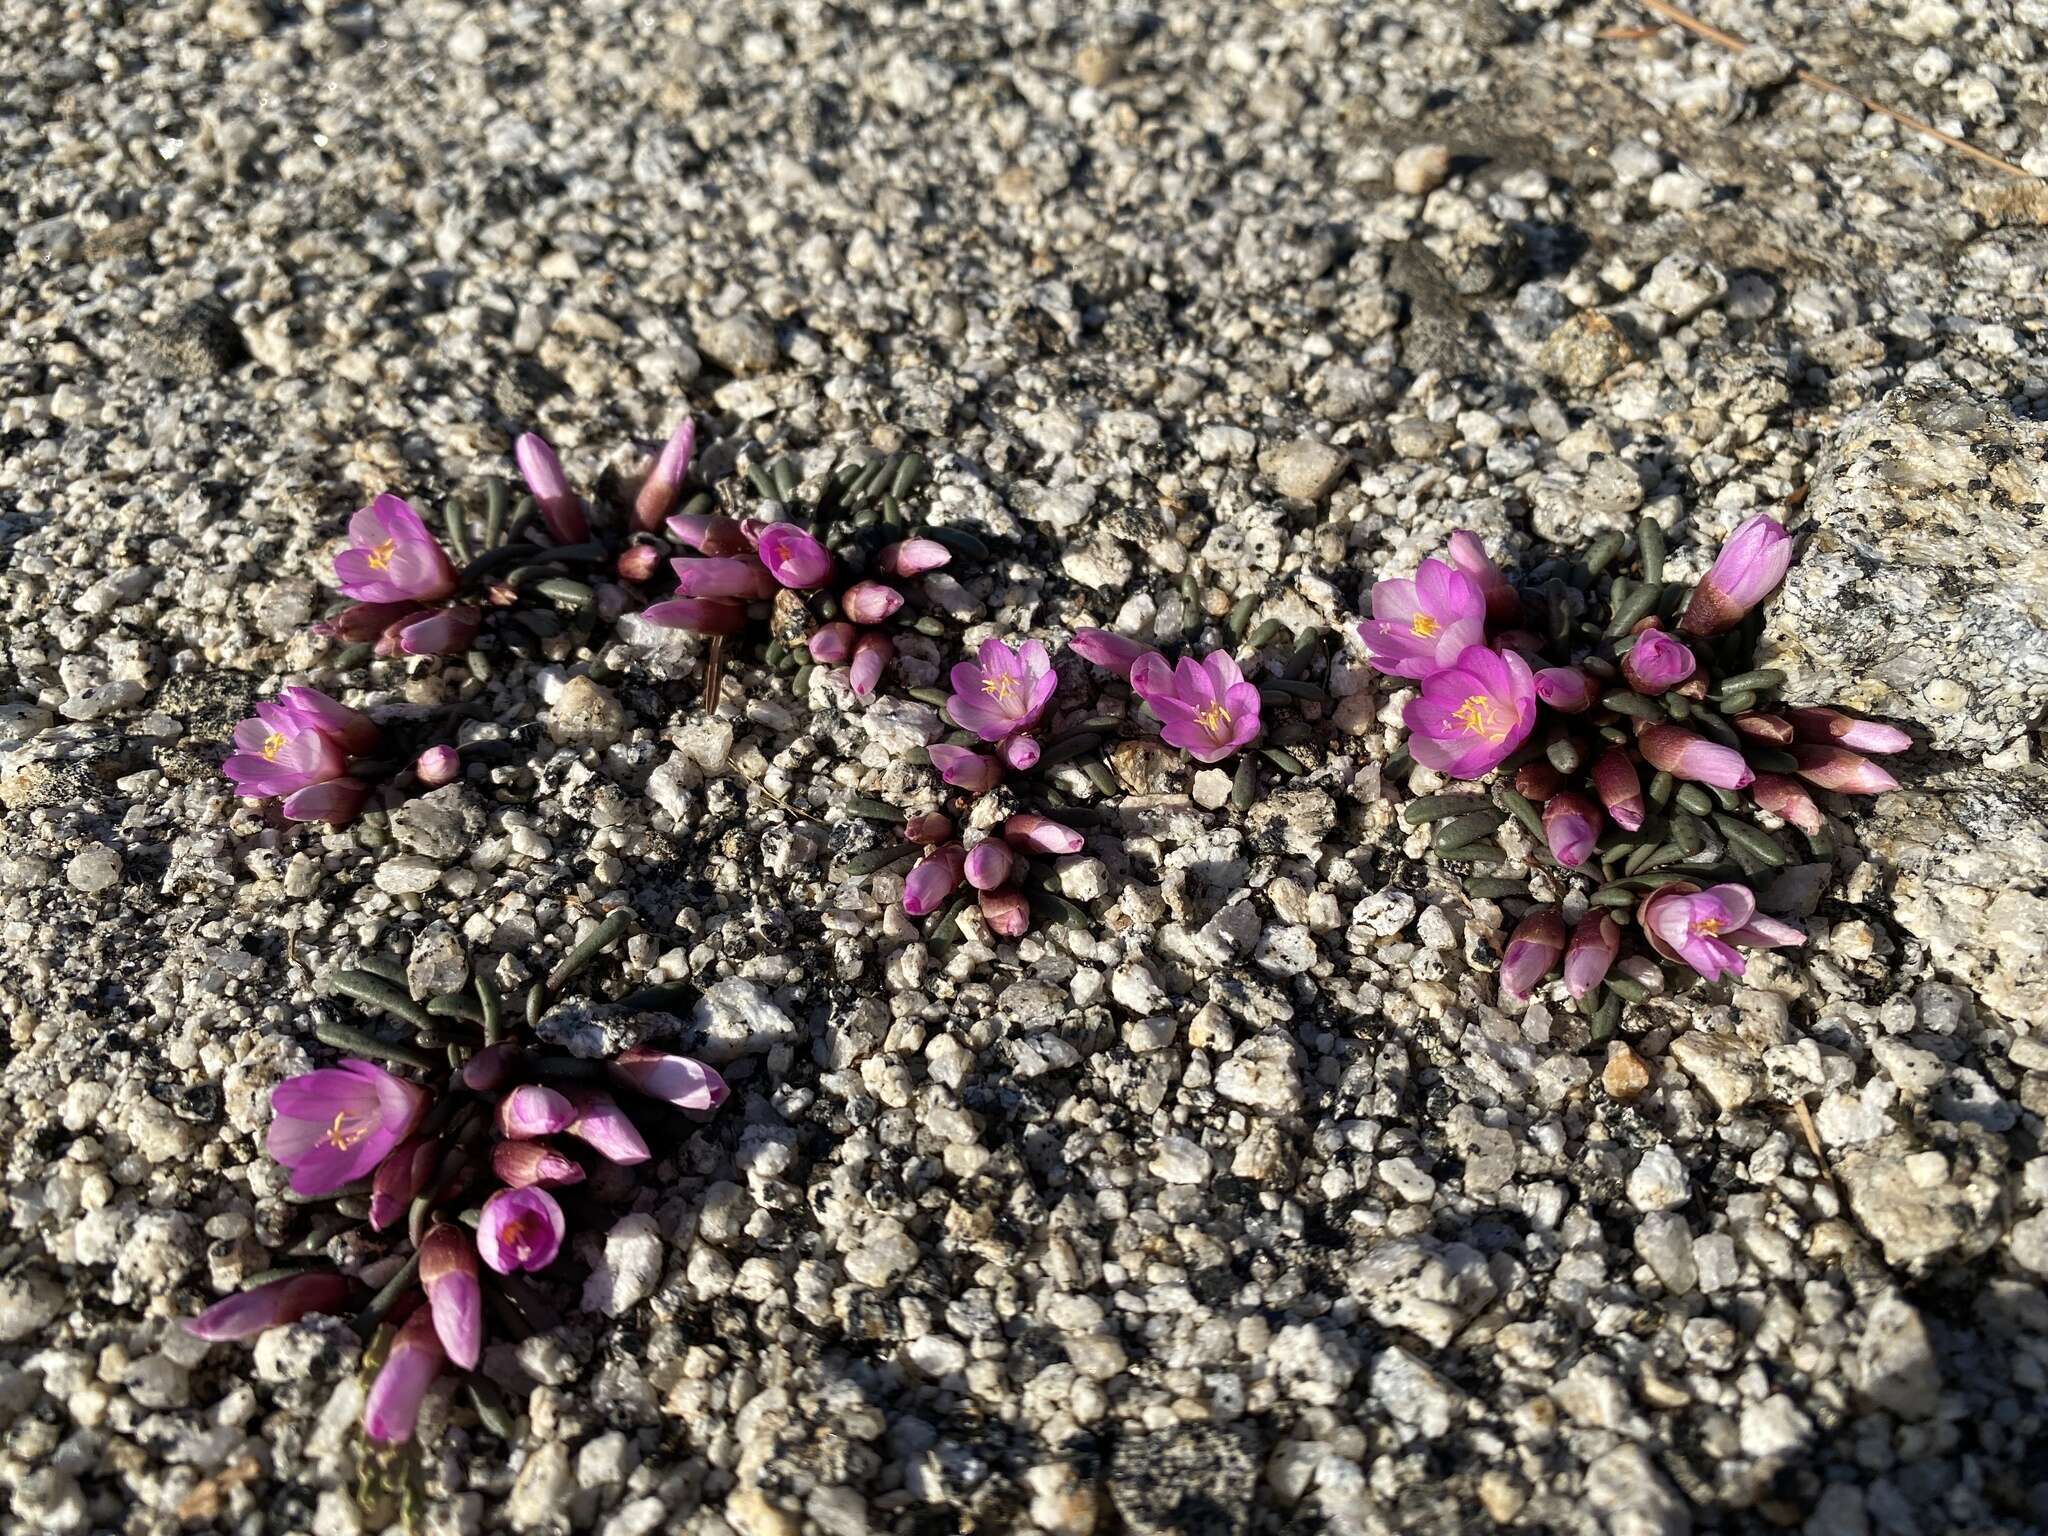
1243, 1208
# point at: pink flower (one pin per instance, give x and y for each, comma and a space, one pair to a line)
1595, 942
1839, 769
869, 602
729, 576
532, 1110
929, 827
1748, 569
1473, 714
1642, 970
1566, 689
392, 558
664, 481
1503, 605
335, 802
871, 653
1686, 756
520, 1229
704, 616
989, 864
1787, 797
1006, 912
1770, 728
1701, 928
520, 1163
247, 1313
558, 506
682, 1081
602, 1124
638, 562
455, 1299
393, 1405
1833, 728
1422, 625
291, 744
1537, 780
1620, 790
1150, 674
709, 533
793, 557
1209, 712
489, 1067
1040, 834
354, 731
1571, 825
364, 621
1003, 691
1112, 652
1532, 950
1019, 753
831, 644
433, 632
972, 771
935, 877
403, 1174
336, 1125
913, 557
437, 766
1657, 662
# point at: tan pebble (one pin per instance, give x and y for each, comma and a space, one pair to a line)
1626, 1075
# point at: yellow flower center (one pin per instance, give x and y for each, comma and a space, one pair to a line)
1707, 925
1002, 686
1422, 626
1212, 717
380, 556
272, 745
345, 1133
1480, 716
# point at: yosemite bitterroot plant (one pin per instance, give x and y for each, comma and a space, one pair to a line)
298, 749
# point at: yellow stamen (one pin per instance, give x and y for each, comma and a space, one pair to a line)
1212, 717
1422, 626
1480, 716
1002, 685
341, 1135
272, 745
380, 557
1706, 925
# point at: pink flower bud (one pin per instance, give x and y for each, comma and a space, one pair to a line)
557, 504
1657, 662
1532, 950
247, 1313
913, 557
489, 1067
521, 1229
1595, 942
523, 1163
1841, 770
1112, 652
434, 632
402, 1175
1787, 797
1686, 756
869, 602
1503, 606
393, 1405
935, 877
709, 533
736, 577
1748, 569
871, 653
335, 802
831, 644
1770, 728
971, 771
1007, 913
637, 562
1019, 753
1151, 676
1571, 825
1831, 727
359, 622
989, 864
1642, 970
1537, 780
1619, 789
1041, 834
795, 559
602, 1124
928, 827
531, 1110
437, 766
1566, 689
704, 616
682, 1081
664, 481
455, 1299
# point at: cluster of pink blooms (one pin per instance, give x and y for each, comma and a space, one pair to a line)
992, 867
399, 579
355, 1122
297, 749
1489, 697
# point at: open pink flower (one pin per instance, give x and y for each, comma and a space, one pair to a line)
1702, 928
974, 772
1532, 951
290, 745
1619, 787
1830, 727
1003, 691
336, 1125
682, 1081
704, 616
1472, 714
664, 482
1503, 604
1841, 770
1421, 625
1657, 661
247, 1313
730, 576
1566, 689
1209, 712
392, 1408
1595, 942
1747, 570
793, 557
935, 877
1110, 651
392, 558
1686, 756
1571, 826
559, 509
520, 1229
455, 1298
